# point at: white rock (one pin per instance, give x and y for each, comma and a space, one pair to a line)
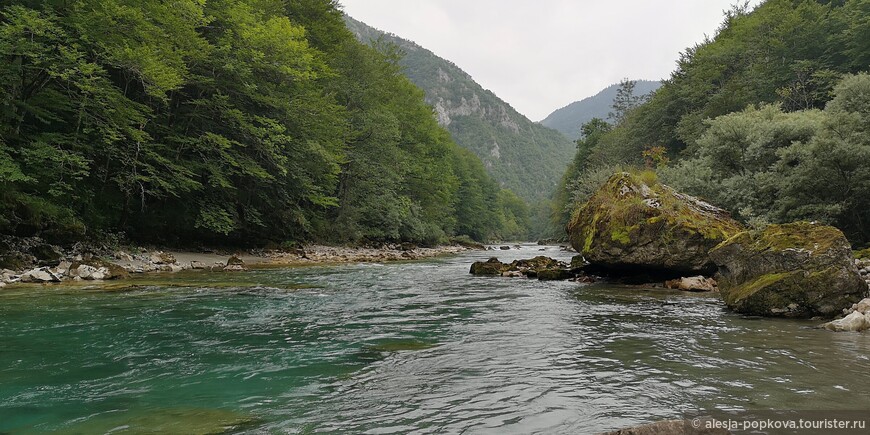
855, 322
83, 271
694, 284
175, 268
862, 307
198, 265
2, 284
42, 274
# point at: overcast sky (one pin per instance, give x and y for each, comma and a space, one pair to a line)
540, 55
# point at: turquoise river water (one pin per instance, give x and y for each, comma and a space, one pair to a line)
416, 347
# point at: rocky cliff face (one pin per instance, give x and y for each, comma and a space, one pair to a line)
523, 156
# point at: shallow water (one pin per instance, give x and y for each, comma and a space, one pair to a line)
401, 348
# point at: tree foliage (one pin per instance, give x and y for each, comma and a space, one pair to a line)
742, 117
767, 165
236, 121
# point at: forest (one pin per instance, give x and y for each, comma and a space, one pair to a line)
769, 119
238, 122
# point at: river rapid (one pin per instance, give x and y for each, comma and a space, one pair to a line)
418, 347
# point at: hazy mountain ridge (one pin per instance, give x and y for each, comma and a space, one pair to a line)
522, 155
570, 118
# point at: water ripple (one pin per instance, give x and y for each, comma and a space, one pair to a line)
405, 348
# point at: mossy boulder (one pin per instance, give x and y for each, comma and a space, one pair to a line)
543, 268
635, 225
490, 267
539, 262
794, 270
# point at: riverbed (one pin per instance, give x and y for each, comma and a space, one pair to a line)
415, 347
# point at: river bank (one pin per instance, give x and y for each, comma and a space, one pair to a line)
59, 266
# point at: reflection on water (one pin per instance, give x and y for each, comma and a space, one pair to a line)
412, 347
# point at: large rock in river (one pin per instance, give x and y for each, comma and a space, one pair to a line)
794, 270
634, 224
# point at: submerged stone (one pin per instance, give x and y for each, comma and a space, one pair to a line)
793, 270
165, 421
671, 427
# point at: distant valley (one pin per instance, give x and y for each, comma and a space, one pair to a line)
522, 155
570, 118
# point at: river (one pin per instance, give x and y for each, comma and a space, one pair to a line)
416, 347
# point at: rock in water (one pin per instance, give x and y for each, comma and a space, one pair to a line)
692, 284
490, 267
793, 270
672, 427
635, 225
554, 274
855, 322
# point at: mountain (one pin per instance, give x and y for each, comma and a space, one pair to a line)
521, 155
570, 118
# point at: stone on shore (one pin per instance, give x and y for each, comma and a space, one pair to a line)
89, 272
857, 319
635, 225
40, 275
693, 284
235, 264
799, 270
15, 260
162, 258
97, 269
46, 255
854, 322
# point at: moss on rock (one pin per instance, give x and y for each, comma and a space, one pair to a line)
633, 221
491, 267
793, 270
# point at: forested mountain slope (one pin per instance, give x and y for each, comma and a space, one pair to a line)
570, 118
523, 156
770, 119
231, 121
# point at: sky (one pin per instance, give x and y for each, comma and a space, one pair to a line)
541, 55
